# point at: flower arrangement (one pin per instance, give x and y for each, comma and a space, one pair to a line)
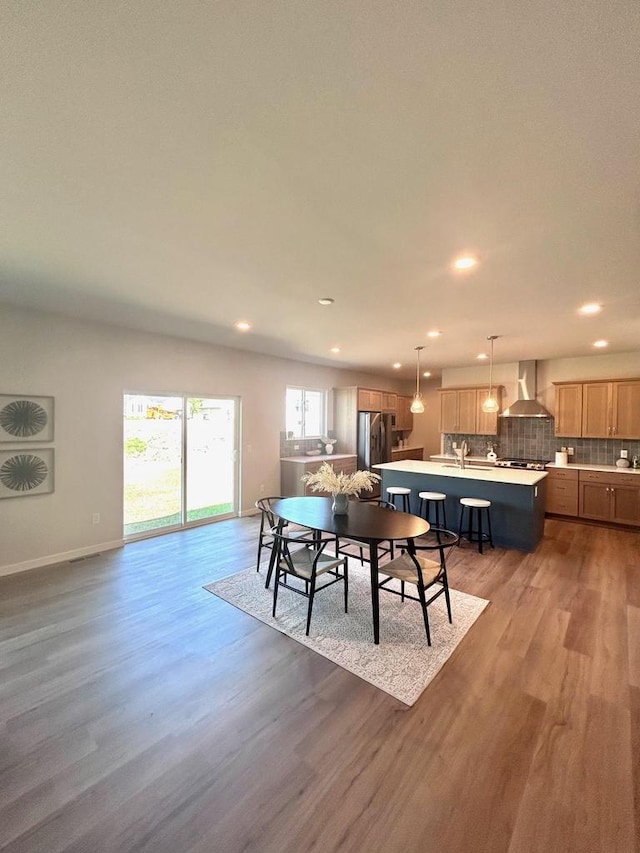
325, 479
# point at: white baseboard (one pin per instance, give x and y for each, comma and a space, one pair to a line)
244, 513
52, 559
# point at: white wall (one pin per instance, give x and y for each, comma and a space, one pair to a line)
87, 368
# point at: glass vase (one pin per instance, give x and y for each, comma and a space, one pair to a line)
340, 505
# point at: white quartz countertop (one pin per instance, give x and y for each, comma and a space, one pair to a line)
323, 457
609, 469
489, 474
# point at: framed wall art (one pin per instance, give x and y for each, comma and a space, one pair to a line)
26, 471
25, 418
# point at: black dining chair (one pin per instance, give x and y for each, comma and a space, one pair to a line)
305, 558
268, 520
422, 563
356, 549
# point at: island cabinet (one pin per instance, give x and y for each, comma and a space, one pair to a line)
562, 491
461, 411
293, 468
611, 496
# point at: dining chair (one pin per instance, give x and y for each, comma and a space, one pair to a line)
424, 572
308, 562
356, 549
268, 520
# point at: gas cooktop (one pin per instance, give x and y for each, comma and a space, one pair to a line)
530, 464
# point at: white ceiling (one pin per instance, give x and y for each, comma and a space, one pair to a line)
178, 166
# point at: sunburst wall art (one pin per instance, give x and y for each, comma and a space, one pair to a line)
26, 472
26, 418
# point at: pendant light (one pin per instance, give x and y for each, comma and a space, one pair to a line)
417, 406
490, 405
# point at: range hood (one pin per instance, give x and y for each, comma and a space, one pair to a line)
526, 406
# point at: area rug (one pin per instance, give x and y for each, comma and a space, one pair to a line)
401, 665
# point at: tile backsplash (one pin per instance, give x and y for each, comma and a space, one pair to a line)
303, 444
533, 438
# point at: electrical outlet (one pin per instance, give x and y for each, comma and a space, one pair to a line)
454, 445
570, 451
624, 454
296, 447
95, 518
261, 488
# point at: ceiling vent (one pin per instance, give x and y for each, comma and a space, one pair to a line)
526, 406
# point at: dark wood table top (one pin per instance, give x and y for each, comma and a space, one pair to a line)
364, 521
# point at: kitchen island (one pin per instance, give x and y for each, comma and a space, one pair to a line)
517, 497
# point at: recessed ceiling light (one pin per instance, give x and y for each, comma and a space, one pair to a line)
326, 300
426, 374
433, 334
482, 356
590, 308
465, 263
243, 326
601, 344
335, 349
397, 365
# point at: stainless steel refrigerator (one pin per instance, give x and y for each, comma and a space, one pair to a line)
374, 441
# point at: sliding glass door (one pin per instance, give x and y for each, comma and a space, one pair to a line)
180, 461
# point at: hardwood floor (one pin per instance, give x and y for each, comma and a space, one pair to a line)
139, 712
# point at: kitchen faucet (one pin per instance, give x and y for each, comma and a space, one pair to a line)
463, 452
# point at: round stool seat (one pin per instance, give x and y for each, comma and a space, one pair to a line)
476, 502
432, 496
401, 492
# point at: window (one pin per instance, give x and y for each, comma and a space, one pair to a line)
305, 415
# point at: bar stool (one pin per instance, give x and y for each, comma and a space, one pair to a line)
437, 499
480, 506
400, 491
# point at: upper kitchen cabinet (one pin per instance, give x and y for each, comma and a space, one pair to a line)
486, 423
568, 417
458, 410
389, 401
461, 411
369, 401
611, 409
404, 415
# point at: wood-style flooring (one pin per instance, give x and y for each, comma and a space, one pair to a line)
139, 712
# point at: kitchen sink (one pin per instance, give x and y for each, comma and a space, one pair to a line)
470, 466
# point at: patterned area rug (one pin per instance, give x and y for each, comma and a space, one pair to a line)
402, 665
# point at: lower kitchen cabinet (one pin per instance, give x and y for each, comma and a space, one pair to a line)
407, 453
293, 468
609, 497
562, 491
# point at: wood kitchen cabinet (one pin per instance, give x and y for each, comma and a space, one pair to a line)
568, 416
401, 454
292, 469
389, 401
608, 496
369, 401
562, 491
461, 411
404, 415
599, 409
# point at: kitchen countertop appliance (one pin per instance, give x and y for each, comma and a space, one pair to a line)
529, 464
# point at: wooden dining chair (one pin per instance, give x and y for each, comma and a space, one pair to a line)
305, 559
423, 564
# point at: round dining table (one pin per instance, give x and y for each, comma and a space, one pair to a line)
365, 522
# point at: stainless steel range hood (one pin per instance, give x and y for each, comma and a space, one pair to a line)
526, 406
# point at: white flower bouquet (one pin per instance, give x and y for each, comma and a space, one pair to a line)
325, 479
